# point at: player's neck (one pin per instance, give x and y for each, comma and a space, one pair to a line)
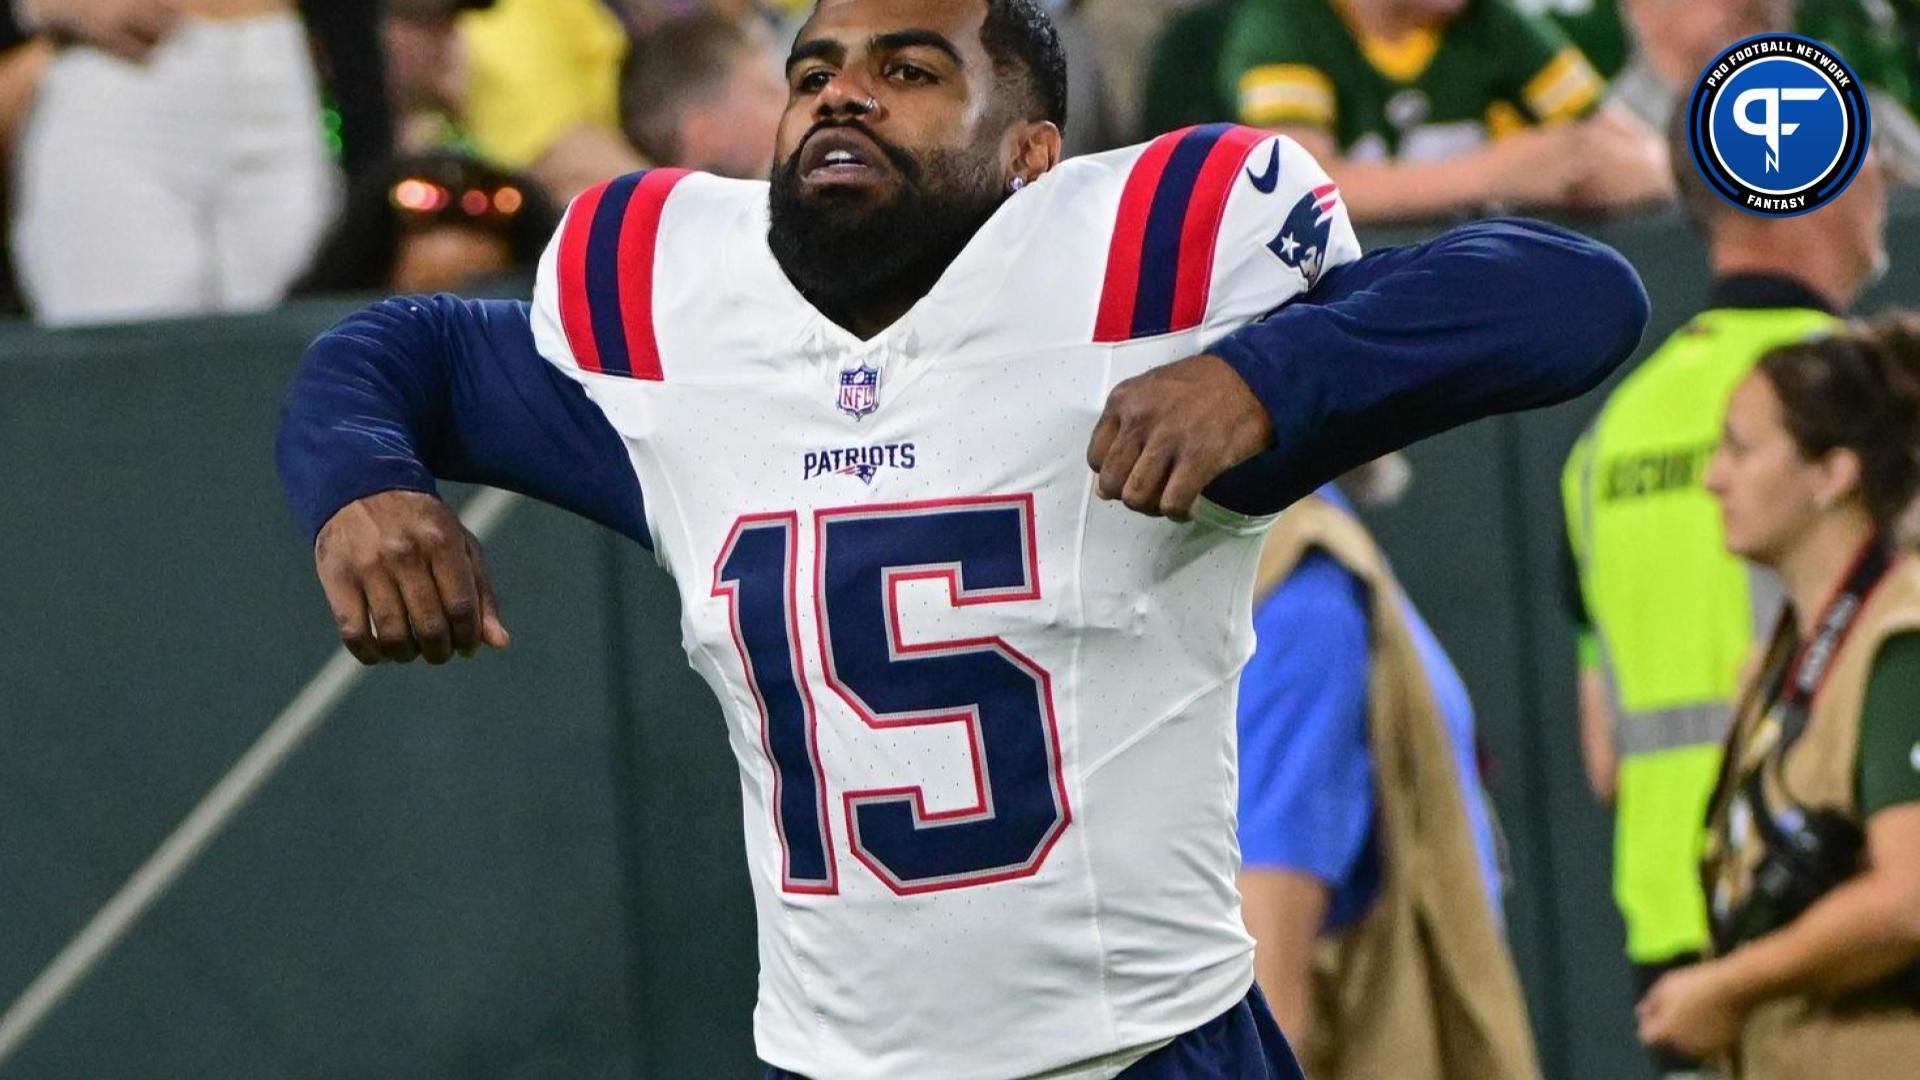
869, 311
871, 315
866, 276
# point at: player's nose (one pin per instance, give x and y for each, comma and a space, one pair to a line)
848, 94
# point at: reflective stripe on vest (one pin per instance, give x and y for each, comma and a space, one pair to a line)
1650, 731
1673, 729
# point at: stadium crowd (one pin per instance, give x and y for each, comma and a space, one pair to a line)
175, 157
184, 157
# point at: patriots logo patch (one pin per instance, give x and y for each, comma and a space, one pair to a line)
863, 463
1302, 242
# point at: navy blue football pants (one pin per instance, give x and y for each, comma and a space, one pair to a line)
1241, 1044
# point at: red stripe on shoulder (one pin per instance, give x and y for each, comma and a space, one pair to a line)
576, 314
639, 243
1122, 287
1200, 234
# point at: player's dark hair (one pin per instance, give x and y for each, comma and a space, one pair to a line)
1858, 391
1024, 45
1702, 206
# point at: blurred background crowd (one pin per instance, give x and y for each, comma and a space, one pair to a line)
172, 157
197, 157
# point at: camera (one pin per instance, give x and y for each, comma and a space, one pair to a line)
1808, 854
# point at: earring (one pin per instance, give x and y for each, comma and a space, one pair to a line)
1015, 184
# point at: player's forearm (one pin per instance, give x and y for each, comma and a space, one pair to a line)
361, 410
1408, 342
414, 389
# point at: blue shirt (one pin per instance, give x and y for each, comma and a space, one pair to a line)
1306, 773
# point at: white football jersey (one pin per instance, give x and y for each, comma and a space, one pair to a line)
984, 720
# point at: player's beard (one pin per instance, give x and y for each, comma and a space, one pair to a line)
848, 254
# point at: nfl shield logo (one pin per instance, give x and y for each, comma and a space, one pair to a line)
859, 391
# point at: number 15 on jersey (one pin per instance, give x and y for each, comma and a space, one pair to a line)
984, 550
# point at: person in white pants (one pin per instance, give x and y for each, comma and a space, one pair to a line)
193, 180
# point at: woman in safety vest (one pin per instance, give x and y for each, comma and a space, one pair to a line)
1812, 866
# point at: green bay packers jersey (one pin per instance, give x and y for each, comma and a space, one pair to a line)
1433, 93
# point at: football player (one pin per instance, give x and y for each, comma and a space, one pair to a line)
982, 701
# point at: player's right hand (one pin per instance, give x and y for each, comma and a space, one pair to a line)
405, 579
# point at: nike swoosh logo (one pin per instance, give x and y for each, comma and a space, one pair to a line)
1267, 181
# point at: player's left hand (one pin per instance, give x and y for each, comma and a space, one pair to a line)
1168, 433
1693, 1010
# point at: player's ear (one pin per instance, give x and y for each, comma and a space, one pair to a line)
1036, 150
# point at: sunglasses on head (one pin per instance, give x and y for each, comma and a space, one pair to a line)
428, 199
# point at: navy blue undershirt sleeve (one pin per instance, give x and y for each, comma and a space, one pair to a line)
1407, 342
419, 388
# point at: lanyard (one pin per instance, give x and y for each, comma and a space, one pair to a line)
1801, 680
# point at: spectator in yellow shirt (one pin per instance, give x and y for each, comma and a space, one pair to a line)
543, 81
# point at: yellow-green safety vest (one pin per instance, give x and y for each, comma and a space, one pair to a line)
1674, 617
